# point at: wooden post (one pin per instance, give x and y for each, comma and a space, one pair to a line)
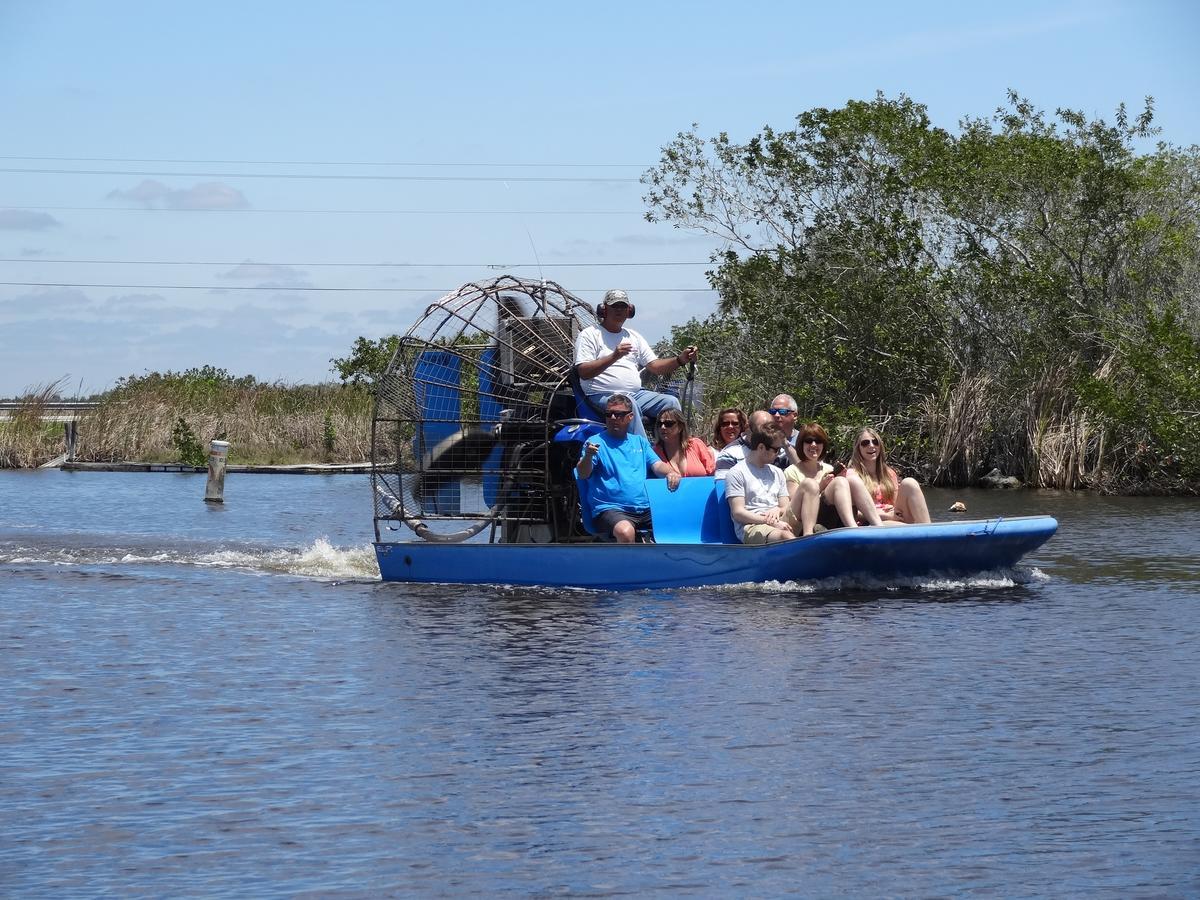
214, 490
70, 432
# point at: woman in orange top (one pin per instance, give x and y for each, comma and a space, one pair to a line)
689, 456
898, 500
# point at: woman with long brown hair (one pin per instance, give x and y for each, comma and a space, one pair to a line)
687, 455
898, 500
730, 425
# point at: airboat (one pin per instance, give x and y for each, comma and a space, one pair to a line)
478, 423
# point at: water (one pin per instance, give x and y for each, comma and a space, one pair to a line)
224, 701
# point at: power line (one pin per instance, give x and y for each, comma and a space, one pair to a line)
380, 265
311, 162
315, 177
370, 290
401, 212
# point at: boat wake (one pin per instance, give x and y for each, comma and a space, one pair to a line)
318, 560
994, 580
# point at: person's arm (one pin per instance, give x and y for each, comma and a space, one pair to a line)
739, 513
585, 464
667, 364
592, 368
792, 484
662, 470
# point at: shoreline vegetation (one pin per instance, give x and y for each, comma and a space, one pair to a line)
171, 418
1022, 295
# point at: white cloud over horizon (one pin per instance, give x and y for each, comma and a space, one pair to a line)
153, 194
26, 220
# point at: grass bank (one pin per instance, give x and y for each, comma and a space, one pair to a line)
172, 417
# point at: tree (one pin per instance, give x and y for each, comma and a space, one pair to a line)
368, 360
875, 265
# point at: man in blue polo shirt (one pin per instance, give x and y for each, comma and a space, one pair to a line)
615, 464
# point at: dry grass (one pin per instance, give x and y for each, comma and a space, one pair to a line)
26, 441
958, 425
265, 424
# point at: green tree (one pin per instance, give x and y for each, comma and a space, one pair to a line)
367, 361
990, 294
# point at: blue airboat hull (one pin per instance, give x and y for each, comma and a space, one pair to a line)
942, 548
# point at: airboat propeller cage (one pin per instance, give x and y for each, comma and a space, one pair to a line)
466, 413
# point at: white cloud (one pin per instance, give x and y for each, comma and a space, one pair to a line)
266, 275
26, 220
154, 194
38, 304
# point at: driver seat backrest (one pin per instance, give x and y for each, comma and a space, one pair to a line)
584, 407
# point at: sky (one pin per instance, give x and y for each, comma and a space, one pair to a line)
252, 186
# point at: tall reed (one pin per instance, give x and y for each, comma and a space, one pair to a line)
265, 423
26, 441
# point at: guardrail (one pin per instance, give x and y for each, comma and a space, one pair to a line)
52, 406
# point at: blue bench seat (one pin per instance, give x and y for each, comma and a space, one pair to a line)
694, 513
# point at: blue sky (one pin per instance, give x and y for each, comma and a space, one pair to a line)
221, 108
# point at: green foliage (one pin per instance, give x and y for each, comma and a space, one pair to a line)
183, 439
328, 436
1151, 404
876, 265
368, 360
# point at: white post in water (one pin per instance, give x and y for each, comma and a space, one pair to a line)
214, 491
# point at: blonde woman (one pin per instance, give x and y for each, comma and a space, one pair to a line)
898, 500
688, 456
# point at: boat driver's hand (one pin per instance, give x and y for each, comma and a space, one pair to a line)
672, 480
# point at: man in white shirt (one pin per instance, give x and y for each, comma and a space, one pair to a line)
610, 358
757, 492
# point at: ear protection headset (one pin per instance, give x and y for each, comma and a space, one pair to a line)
602, 310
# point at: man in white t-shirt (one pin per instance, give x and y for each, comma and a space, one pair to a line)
611, 357
757, 492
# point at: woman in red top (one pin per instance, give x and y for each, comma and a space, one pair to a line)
686, 455
897, 500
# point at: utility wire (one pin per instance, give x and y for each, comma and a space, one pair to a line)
381, 265
310, 162
371, 290
401, 212
316, 177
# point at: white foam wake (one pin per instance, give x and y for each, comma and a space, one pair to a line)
994, 580
318, 560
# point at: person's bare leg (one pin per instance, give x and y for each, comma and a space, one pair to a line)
910, 503
861, 499
806, 503
837, 493
624, 532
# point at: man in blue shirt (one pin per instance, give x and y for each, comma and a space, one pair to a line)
615, 464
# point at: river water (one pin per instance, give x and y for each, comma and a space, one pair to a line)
225, 701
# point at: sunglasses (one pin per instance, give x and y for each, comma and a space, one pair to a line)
869, 442
668, 423
813, 440
781, 411
617, 414
733, 424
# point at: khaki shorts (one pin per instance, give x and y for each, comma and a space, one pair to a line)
757, 534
